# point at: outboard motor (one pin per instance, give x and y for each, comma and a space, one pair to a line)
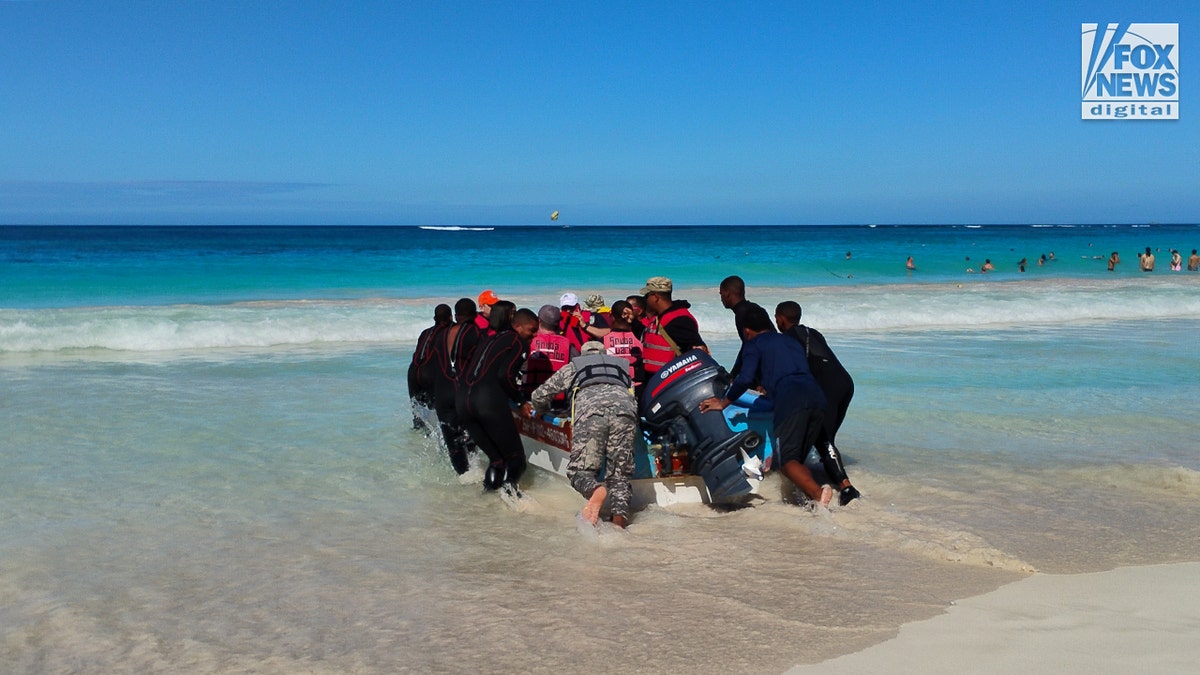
670, 408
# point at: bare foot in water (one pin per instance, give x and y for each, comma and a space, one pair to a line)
591, 511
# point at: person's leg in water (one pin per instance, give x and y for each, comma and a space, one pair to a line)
839, 403
797, 430
456, 438
589, 440
619, 466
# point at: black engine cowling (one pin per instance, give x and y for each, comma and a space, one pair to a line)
670, 408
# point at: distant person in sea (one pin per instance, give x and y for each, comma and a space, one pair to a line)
420, 369
1194, 262
835, 383
1042, 260
603, 426
1146, 259
486, 300
1021, 265
909, 264
674, 330
452, 349
780, 364
1113, 261
548, 351
489, 383
1176, 260
987, 265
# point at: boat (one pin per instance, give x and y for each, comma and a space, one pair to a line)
683, 456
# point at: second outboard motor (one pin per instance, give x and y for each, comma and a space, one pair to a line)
671, 409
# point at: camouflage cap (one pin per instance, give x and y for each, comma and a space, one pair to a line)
657, 285
594, 302
591, 347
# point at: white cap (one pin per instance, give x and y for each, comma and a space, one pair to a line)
568, 300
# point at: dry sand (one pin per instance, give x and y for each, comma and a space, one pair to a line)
1128, 620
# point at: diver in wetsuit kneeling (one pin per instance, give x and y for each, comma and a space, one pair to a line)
488, 384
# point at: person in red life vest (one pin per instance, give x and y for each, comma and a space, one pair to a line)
548, 351
573, 320
640, 320
621, 341
674, 331
420, 369
486, 300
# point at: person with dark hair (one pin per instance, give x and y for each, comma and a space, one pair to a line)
1146, 261
780, 364
548, 351
1194, 262
835, 383
420, 369
733, 298
487, 386
674, 330
637, 325
623, 342
452, 349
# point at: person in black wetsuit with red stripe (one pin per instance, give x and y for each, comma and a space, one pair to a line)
421, 369
488, 384
452, 349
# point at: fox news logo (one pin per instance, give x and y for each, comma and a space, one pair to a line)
1131, 71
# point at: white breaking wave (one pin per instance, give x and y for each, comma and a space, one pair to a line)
456, 228
866, 309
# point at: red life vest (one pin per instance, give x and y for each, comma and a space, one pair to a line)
573, 328
556, 348
625, 345
547, 353
656, 351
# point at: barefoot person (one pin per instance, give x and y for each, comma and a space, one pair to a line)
604, 423
780, 364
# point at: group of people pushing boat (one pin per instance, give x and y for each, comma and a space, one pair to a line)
473, 367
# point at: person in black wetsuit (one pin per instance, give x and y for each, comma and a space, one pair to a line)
488, 384
835, 382
452, 349
421, 369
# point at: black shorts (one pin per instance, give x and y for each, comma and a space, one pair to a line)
796, 430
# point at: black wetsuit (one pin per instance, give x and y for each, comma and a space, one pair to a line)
838, 386
487, 385
421, 370
449, 358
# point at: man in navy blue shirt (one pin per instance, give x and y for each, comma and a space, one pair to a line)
781, 366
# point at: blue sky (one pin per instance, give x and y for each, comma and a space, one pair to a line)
468, 113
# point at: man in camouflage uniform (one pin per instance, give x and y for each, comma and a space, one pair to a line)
604, 422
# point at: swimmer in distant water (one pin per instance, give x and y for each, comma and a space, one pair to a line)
910, 264
1147, 261
1021, 265
1113, 261
987, 265
1194, 262
1176, 260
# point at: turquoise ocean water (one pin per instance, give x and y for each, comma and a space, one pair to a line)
206, 462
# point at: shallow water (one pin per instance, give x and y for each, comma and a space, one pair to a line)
234, 485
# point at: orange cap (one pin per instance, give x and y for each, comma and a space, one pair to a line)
488, 298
